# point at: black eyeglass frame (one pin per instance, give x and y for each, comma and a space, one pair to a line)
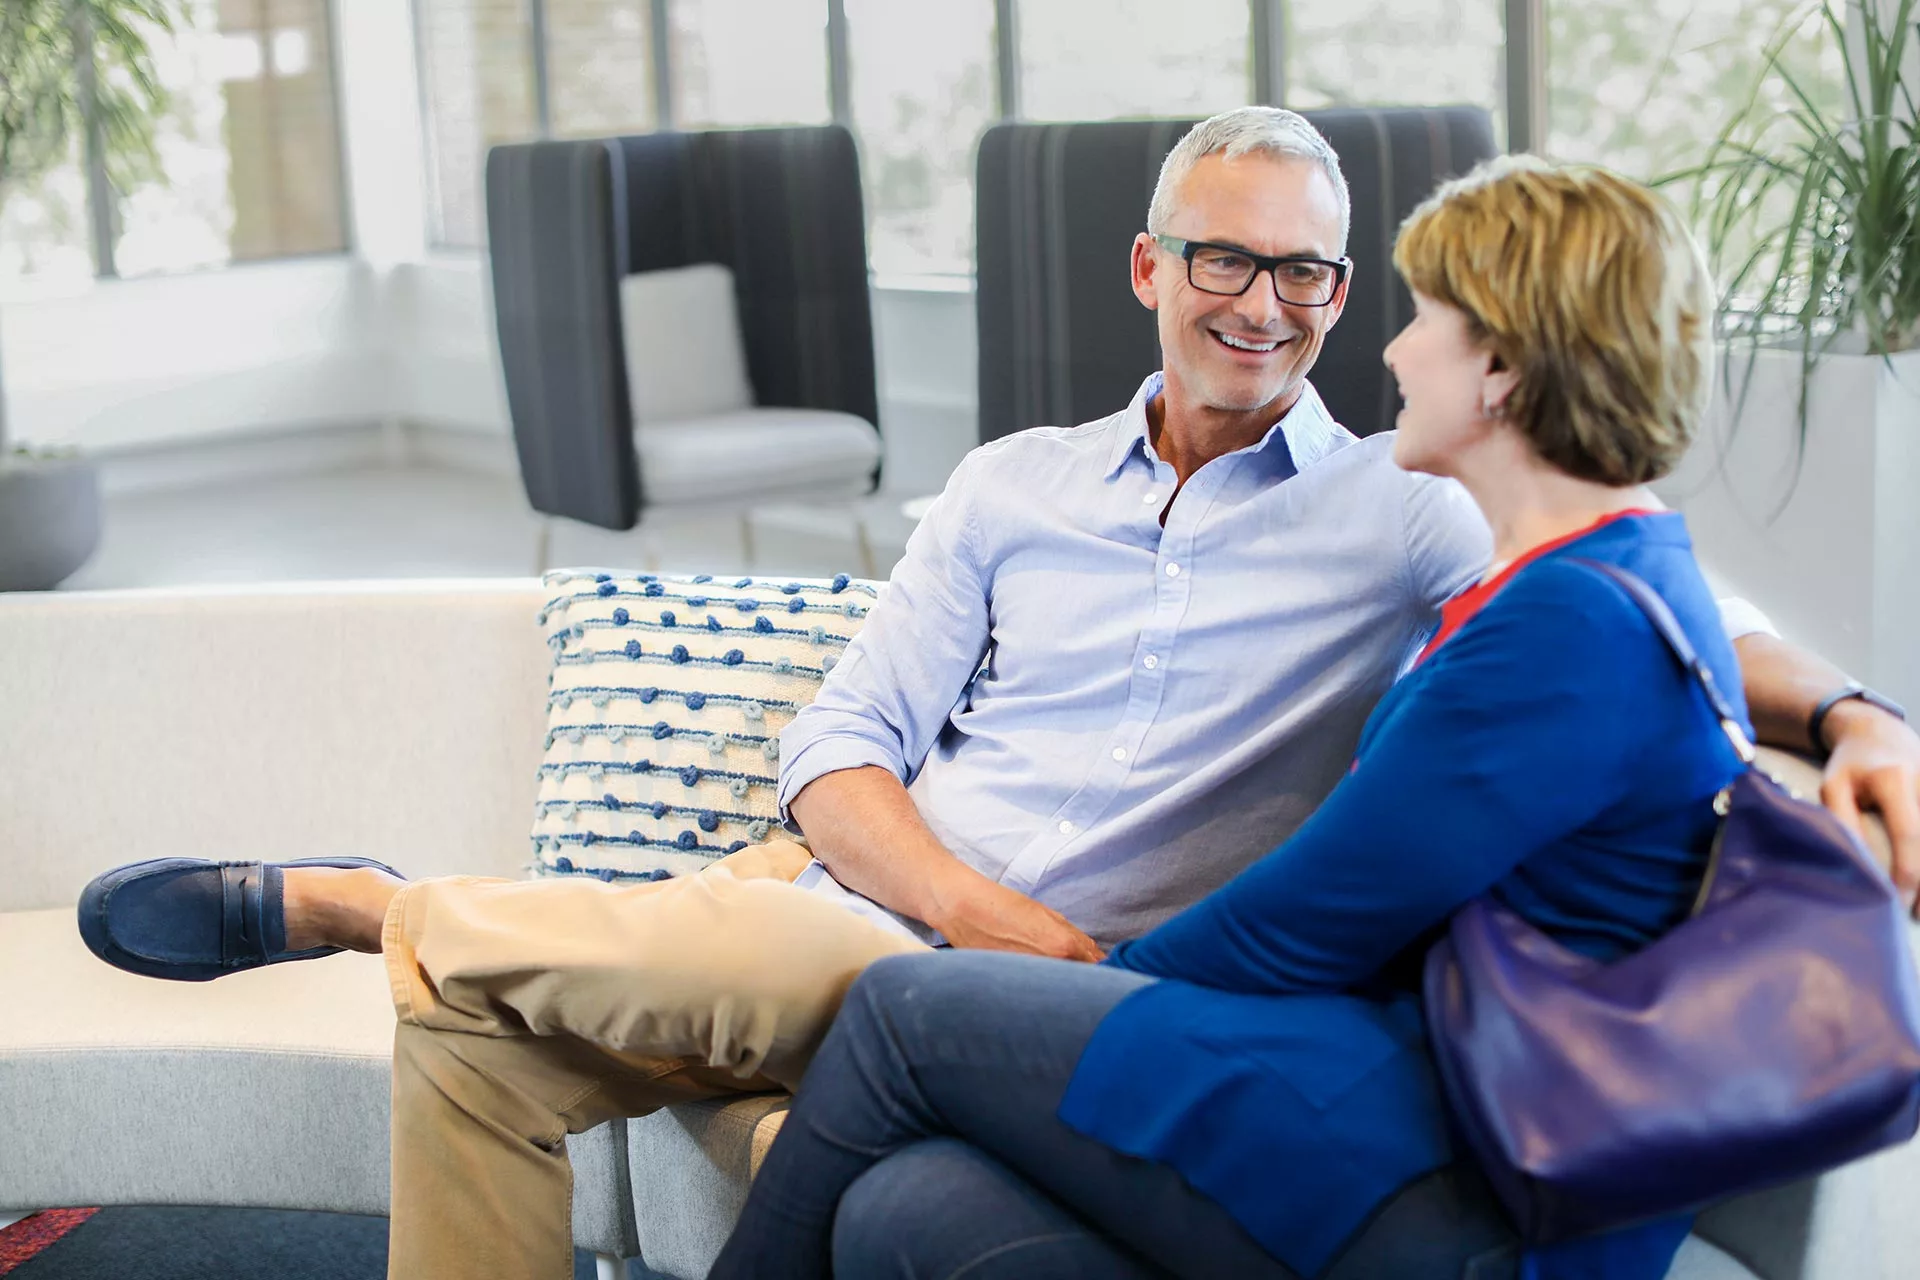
1262, 266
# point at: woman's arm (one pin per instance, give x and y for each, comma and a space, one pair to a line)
1523, 730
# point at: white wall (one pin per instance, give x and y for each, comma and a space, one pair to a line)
341, 342
247, 349
928, 356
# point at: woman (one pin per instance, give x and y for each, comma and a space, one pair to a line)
1247, 1090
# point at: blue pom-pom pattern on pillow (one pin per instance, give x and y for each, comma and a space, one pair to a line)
664, 711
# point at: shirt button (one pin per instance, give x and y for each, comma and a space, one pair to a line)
1150, 661
1150, 499
1066, 828
1119, 753
1173, 571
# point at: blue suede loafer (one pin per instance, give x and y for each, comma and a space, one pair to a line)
192, 919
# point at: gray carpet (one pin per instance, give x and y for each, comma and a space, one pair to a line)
172, 1243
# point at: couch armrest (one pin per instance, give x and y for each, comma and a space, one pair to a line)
395, 720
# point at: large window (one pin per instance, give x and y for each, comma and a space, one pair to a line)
44, 232
923, 91
1641, 85
1394, 52
599, 67
246, 163
1080, 61
477, 71
734, 62
746, 62
249, 147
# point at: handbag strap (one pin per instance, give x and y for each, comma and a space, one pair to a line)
1669, 629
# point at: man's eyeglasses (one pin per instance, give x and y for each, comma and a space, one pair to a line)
1227, 271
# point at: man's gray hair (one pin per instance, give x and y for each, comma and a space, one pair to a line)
1272, 130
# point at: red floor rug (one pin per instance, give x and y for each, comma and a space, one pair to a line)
27, 1237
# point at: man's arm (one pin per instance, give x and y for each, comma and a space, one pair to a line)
1875, 757
863, 825
846, 757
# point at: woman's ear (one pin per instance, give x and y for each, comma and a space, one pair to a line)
1496, 385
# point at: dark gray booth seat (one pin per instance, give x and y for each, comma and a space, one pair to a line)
567, 220
1062, 338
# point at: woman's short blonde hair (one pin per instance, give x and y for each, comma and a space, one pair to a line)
1590, 288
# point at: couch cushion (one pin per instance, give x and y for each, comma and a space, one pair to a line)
760, 454
681, 330
665, 707
1698, 1260
395, 719
691, 1166
266, 1088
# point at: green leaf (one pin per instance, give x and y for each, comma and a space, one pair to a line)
44, 103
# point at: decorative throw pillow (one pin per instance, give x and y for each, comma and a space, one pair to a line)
664, 712
681, 331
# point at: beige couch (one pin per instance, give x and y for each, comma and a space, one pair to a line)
401, 721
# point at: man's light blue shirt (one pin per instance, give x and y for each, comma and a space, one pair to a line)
1113, 716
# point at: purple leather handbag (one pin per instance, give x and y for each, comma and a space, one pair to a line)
1772, 1035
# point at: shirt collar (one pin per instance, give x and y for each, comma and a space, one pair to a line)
1307, 430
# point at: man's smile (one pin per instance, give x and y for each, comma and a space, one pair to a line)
1246, 342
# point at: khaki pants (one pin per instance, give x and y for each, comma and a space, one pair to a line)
529, 1010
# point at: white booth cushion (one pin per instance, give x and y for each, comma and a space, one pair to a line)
682, 337
757, 453
665, 708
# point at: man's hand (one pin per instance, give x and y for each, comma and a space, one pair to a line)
992, 917
864, 827
1874, 758
1876, 765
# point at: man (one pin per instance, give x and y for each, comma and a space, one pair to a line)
1118, 663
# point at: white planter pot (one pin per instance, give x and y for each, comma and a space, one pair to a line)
1828, 542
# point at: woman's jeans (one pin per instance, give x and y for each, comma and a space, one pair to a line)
924, 1143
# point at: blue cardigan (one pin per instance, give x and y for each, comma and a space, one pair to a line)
1551, 752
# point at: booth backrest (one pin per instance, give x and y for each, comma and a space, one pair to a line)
1062, 338
568, 219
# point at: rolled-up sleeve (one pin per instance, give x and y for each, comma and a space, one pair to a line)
1743, 619
893, 690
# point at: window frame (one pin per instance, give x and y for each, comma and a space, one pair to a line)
1523, 86
103, 209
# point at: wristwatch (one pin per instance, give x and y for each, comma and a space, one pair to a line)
1851, 689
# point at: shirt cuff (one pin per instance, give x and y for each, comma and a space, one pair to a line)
826, 755
1743, 619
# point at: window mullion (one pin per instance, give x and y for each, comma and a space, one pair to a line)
542, 90
1006, 45
660, 13
1526, 75
1268, 23
839, 64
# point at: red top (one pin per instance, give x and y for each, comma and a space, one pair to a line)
1455, 612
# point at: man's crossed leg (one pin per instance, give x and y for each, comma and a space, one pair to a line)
528, 1010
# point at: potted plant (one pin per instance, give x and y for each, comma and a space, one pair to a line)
1802, 490
74, 74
